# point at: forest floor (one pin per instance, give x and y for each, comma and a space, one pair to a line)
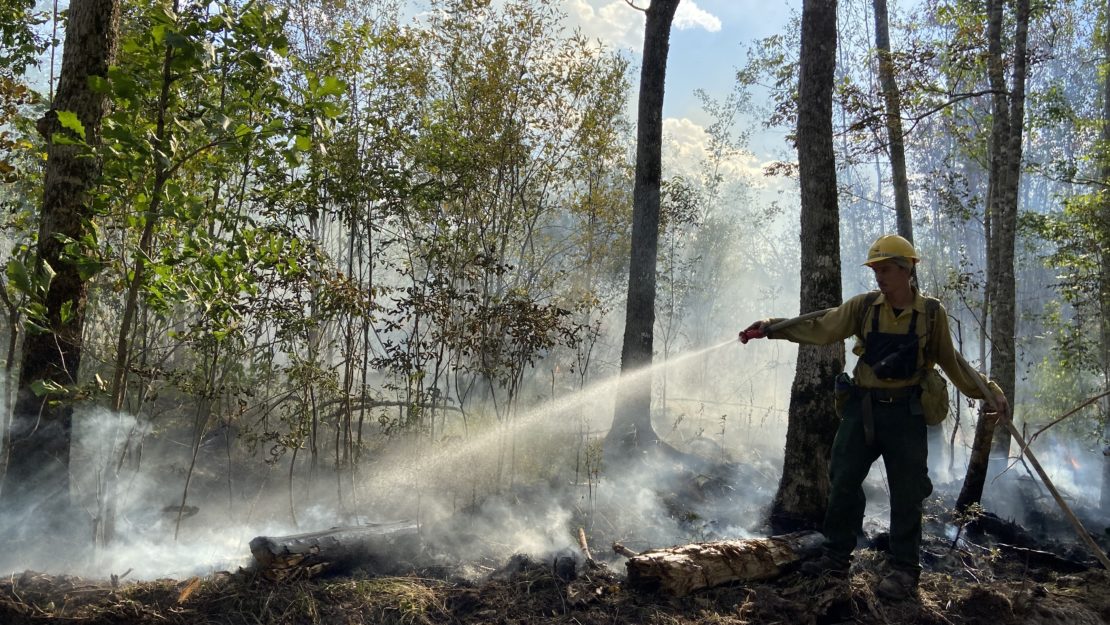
531, 593
970, 578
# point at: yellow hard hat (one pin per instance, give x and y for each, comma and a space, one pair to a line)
890, 246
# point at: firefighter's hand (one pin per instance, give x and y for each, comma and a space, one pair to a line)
1003, 407
757, 330
1000, 410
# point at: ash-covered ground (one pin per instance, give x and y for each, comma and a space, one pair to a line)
989, 569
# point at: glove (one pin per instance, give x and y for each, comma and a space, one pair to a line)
757, 330
1001, 413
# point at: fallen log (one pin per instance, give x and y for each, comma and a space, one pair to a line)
681, 570
378, 548
1045, 559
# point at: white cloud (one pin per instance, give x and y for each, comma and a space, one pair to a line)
686, 145
619, 25
690, 15
685, 142
612, 21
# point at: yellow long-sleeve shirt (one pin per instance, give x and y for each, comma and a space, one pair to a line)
843, 321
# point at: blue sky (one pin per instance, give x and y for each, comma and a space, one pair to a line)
709, 39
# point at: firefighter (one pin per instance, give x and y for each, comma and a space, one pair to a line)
883, 413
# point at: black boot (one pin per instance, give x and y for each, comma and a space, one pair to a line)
899, 584
828, 563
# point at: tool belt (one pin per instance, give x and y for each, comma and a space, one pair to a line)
871, 396
846, 390
891, 395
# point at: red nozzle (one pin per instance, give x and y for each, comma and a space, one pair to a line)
749, 334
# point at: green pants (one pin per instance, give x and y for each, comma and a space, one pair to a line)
900, 438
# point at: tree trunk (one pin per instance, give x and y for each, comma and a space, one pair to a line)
632, 422
1008, 111
1004, 215
679, 571
1104, 282
38, 466
804, 488
972, 490
896, 149
893, 101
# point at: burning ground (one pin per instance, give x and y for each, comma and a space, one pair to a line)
989, 571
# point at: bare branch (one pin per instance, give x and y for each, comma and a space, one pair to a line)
633, 5
1068, 414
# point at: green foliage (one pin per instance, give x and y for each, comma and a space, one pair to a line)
515, 122
335, 215
19, 45
28, 281
1078, 237
20, 42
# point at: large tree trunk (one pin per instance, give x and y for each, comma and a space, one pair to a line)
632, 422
1008, 112
804, 488
38, 466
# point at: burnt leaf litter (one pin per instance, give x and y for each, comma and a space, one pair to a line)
990, 571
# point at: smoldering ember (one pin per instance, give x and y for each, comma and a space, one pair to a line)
577, 311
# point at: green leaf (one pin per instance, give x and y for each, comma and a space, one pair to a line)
99, 84
87, 267
68, 312
331, 86
18, 276
42, 388
131, 46
164, 14
175, 39
331, 110
60, 139
68, 120
304, 144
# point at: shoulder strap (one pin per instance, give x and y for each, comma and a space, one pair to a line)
932, 308
868, 303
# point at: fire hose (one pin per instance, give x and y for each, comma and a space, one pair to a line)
755, 333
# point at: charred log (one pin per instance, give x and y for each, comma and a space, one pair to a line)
681, 570
624, 551
379, 549
1002, 530
1045, 559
